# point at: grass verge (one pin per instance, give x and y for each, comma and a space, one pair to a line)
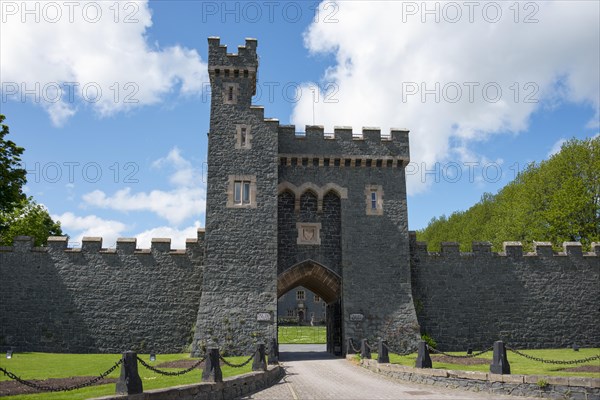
518, 365
302, 335
49, 365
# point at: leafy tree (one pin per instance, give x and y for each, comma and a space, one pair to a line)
556, 200
29, 219
19, 215
12, 176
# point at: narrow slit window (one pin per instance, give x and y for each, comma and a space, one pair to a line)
244, 137
230, 93
373, 200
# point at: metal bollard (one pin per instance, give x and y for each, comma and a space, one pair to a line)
382, 351
260, 362
212, 368
423, 358
365, 351
500, 363
349, 346
129, 381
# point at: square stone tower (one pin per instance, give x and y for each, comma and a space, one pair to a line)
238, 303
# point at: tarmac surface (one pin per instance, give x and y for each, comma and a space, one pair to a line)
311, 373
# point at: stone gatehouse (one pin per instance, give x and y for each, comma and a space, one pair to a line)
286, 209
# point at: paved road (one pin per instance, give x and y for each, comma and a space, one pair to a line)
313, 374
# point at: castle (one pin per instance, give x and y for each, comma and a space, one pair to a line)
284, 209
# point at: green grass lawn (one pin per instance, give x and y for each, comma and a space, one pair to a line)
302, 335
47, 365
518, 364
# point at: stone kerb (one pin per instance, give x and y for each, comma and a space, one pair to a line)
231, 388
516, 385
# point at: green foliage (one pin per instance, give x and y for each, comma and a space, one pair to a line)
19, 215
557, 200
542, 383
429, 340
30, 219
12, 176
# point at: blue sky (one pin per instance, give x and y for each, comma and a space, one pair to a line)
110, 99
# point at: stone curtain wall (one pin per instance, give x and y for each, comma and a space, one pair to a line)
55, 299
538, 300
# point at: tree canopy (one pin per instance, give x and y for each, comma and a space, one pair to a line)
556, 200
19, 214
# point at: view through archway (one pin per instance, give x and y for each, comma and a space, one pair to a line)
309, 306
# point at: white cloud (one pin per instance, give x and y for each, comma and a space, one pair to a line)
175, 205
91, 225
177, 236
185, 174
109, 52
186, 200
556, 147
383, 52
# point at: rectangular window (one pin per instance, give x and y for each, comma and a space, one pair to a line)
237, 189
230, 93
241, 192
290, 313
300, 295
246, 193
373, 200
317, 299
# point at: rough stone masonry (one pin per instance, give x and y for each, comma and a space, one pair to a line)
324, 211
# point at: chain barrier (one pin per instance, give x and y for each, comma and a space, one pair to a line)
354, 348
432, 350
400, 353
236, 365
543, 360
45, 388
170, 373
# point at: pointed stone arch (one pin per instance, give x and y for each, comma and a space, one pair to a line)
313, 276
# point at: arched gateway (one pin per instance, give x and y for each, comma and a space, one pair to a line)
325, 211
327, 285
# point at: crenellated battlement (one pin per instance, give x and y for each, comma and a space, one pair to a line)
245, 58
510, 249
343, 147
23, 244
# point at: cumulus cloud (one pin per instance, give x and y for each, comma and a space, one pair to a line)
90, 225
77, 54
472, 74
177, 236
556, 147
186, 200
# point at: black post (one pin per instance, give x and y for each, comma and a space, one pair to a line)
212, 368
500, 363
273, 353
423, 358
129, 382
382, 351
349, 346
259, 363
365, 351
